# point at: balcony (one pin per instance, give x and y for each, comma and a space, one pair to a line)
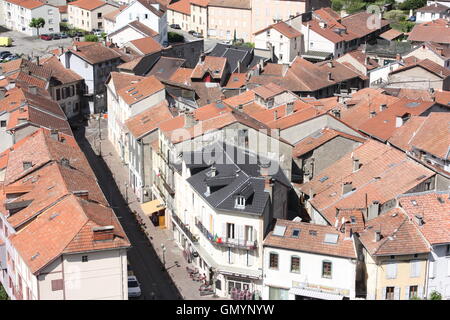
185, 229
225, 242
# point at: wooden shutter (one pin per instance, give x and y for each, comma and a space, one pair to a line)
432, 269
415, 268
396, 293
250, 258
224, 230
231, 255
383, 293
420, 292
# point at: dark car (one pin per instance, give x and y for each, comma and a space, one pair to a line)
77, 34
64, 35
175, 26
11, 57
197, 35
56, 36
46, 37
191, 31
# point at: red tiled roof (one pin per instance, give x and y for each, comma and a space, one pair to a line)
88, 4
148, 120
391, 34
236, 80
182, 75
309, 241
399, 236
28, 4
140, 90
434, 208
434, 31
183, 6
214, 65
146, 45
433, 67
283, 28
401, 138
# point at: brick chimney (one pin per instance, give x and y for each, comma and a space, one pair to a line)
290, 108
54, 134
83, 194
347, 187
2, 92
355, 165
32, 89
377, 235
189, 119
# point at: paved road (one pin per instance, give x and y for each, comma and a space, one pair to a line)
155, 282
31, 46
208, 44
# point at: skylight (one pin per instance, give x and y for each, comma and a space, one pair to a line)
323, 179
295, 233
279, 231
312, 232
331, 238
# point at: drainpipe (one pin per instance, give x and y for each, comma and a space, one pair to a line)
425, 284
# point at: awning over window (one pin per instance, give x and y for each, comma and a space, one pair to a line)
152, 206
316, 294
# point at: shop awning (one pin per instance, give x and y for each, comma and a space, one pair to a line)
152, 206
316, 294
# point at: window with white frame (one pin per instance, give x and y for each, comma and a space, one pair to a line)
295, 264
240, 202
391, 270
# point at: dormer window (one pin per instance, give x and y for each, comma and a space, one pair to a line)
240, 202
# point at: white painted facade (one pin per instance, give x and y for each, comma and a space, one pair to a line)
88, 19
128, 34
430, 16
285, 49
136, 11
18, 18
380, 75
439, 271
342, 279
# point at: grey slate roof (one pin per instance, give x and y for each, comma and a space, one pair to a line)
237, 174
233, 55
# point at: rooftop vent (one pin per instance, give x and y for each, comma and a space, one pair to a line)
103, 233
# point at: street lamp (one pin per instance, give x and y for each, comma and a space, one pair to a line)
163, 247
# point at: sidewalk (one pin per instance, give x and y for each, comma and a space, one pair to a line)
174, 261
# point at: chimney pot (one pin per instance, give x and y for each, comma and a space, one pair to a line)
32, 89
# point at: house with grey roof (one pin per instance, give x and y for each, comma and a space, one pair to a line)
229, 201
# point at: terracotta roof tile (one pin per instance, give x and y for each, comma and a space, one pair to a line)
146, 45
214, 65
87, 4
434, 208
183, 6
140, 90
310, 241
148, 120
236, 80
434, 31
182, 75
28, 4
283, 28
391, 34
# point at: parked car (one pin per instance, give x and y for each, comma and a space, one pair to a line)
64, 35
11, 57
56, 36
191, 31
4, 54
46, 37
134, 288
77, 34
175, 26
197, 35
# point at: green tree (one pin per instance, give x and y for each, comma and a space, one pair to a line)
91, 38
3, 295
412, 4
434, 295
175, 37
37, 23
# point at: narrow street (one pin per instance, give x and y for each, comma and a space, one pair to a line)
145, 263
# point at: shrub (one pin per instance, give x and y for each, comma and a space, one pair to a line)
395, 15
434, 295
3, 295
412, 4
91, 38
175, 37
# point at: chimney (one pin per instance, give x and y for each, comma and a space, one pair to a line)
103, 233
83, 194
347, 187
54, 134
27, 165
355, 165
419, 219
377, 236
372, 114
65, 162
2, 92
439, 51
383, 107
275, 114
213, 171
32, 89
37, 60
290, 108
330, 77
367, 60
373, 210
189, 119
202, 58
330, 64
348, 231
398, 122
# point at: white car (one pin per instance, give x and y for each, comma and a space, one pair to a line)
134, 288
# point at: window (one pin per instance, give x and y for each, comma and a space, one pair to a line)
414, 268
273, 261
278, 294
3, 123
390, 293
230, 230
249, 233
58, 94
50, 21
84, 259
413, 291
295, 264
326, 269
99, 15
391, 270
57, 285
295, 233
240, 202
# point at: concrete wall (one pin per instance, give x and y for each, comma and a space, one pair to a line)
416, 78
88, 19
199, 19
423, 52
285, 49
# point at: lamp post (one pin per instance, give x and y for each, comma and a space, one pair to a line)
163, 247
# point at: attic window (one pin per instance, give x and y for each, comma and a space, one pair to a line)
331, 238
353, 219
279, 230
295, 233
323, 179
240, 202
